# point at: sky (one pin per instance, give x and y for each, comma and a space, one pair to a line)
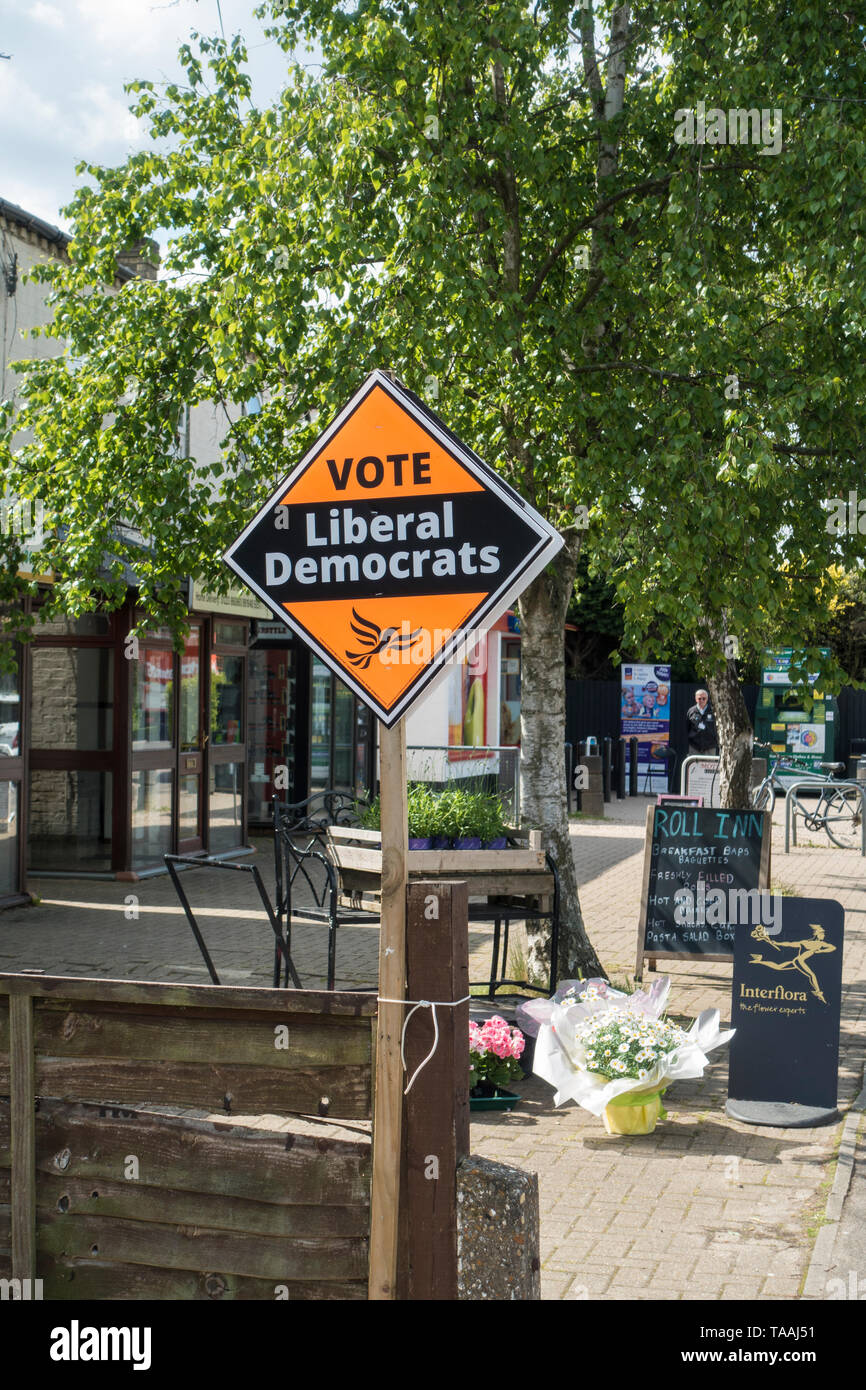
61, 89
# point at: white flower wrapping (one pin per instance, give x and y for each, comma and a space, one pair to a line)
560, 1053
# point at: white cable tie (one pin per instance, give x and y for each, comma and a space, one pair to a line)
422, 1004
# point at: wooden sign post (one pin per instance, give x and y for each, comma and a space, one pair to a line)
388, 1097
384, 549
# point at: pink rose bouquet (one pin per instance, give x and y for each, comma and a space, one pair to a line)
494, 1050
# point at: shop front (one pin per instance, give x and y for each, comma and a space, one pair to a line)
307, 729
134, 750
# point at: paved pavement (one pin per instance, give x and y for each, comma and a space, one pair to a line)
704, 1208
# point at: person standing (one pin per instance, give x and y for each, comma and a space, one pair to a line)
701, 725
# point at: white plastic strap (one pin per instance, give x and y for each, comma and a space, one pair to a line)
433, 1004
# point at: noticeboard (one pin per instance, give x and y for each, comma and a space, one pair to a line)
705, 870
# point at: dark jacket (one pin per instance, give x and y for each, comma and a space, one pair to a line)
701, 729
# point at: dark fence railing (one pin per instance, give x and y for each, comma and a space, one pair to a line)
593, 708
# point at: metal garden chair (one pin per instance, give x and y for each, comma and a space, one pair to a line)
307, 879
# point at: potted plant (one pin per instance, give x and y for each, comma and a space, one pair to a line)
615, 1054
422, 811
451, 818
468, 814
494, 1049
493, 828
444, 823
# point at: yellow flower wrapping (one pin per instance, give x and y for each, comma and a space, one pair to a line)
634, 1112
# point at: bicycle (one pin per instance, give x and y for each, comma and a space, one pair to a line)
839, 809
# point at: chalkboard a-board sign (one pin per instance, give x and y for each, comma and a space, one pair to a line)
785, 1007
703, 872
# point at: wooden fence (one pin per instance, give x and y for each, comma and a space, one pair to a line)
102, 1199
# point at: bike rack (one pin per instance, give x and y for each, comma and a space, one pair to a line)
712, 760
811, 782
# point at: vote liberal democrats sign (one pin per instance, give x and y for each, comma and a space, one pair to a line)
388, 544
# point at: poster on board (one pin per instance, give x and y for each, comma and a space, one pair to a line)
468, 705
645, 714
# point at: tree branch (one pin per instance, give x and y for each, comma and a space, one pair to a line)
657, 185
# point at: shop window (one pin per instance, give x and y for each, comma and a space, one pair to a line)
10, 716
320, 731
270, 740
225, 804
230, 634
151, 815
190, 709
72, 700
227, 699
344, 734
153, 699
88, 625
188, 808
9, 823
70, 820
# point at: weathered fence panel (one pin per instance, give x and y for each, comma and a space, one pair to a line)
104, 1200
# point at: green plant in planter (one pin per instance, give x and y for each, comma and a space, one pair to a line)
492, 820
423, 812
450, 814
465, 813
443, 822
370, 816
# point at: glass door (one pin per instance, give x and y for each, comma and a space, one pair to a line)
320, 727
227, 750
344, 736
153, 752
272, 736
11, 781
191, 744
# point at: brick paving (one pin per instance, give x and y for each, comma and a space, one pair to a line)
704, 1208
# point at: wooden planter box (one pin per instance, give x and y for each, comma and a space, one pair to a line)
520, 868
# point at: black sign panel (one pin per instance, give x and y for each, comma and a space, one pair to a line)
704, 870
785, 1007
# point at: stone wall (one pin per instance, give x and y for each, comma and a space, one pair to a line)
498, 1254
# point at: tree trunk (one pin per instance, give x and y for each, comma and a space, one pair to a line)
543, 793
733, 725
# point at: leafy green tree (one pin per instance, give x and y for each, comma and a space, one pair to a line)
491, 200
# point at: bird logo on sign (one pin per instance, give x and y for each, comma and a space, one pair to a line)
376, 640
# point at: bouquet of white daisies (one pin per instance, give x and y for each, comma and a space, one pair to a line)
613, 1053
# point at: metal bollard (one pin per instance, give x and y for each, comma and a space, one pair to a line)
620, 769
633, 745
606, 760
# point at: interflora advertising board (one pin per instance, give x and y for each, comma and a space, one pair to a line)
388, 544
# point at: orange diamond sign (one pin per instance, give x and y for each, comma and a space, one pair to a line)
388, 544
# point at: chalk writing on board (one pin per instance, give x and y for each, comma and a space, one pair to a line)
704, 879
